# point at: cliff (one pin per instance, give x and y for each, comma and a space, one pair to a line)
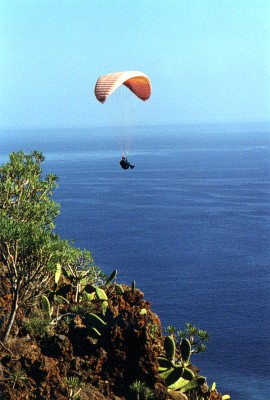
105, 346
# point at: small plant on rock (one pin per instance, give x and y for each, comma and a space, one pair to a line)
79, 270
148, 393
16, 375
38, 325
74, 385
197, 337
142, 391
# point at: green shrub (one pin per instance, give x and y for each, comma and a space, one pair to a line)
37, 325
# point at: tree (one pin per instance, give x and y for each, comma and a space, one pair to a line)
29, 249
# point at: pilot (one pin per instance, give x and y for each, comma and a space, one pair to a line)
125, 164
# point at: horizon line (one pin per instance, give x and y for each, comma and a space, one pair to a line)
184, 123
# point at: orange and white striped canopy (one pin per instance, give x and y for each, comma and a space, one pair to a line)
136, 81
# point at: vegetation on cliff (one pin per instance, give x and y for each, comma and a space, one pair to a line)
68, 331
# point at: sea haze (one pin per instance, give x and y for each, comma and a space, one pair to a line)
190, 224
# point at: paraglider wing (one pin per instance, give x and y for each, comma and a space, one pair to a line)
136, 81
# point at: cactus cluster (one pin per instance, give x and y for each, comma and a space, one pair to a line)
92, 293
89, 294
177, 375
173, 364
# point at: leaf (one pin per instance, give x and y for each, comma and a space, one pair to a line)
169, 345
95, 321
181, 382
188, 374
45, 304
193, 384
133, 287
111, 277
104, 307
166, 373
63, 299
94, 333
57, 273
101, 294
174, 376
164, 363
185, 348
89, 288
88, 296
119, 289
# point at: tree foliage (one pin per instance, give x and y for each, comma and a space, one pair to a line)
24, 195
29, 248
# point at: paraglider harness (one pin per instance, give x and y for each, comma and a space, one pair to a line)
125, 164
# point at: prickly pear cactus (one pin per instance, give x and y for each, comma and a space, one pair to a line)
174, 375
169, 346
101, 294
195, 383
185, 348
164, 363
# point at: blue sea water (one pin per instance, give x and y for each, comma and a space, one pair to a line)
190, 224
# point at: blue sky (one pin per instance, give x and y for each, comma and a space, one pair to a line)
208, 60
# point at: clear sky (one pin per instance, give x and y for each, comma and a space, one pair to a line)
208, 60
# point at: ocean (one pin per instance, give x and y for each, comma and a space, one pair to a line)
190, 224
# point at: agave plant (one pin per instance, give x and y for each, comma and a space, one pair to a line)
148, 393
74, 385
16, 375
137, 387
141, 390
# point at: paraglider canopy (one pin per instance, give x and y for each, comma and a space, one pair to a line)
136, 81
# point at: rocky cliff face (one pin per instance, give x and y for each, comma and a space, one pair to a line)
97, 361
101, 344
